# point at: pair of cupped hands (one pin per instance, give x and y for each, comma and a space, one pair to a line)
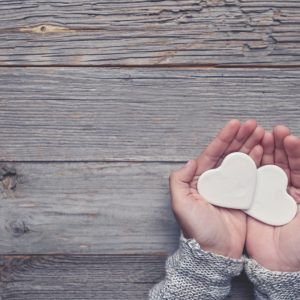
226, 231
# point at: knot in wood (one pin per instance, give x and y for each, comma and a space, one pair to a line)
17, 228
9, 179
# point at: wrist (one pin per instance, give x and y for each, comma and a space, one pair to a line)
223, 249
277, 266
230, 253
226, 249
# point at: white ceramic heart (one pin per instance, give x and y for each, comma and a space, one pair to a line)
260, 193
231, 185
271, 203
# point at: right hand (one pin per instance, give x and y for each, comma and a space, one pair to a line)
218, 230
278, 248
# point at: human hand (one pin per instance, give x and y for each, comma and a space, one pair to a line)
218, 230
278, 248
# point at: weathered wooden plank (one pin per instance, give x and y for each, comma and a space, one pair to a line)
148, 114
79, 277
88, 277
98, 208
149, 32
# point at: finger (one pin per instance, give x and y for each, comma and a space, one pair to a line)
268, 147
295, 193
253, 140
292, 149
243, 134
180, 182
280, 157
256, 154
210, 156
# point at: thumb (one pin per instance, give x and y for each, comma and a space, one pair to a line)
180, 181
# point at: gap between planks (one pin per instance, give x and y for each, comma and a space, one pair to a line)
159, 66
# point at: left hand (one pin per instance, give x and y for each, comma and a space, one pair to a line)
216, 229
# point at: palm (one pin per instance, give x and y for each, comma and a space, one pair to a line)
219, 230
278, 248
224, 230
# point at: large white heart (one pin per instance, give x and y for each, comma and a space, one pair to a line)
260, 193
271, 203
231, 185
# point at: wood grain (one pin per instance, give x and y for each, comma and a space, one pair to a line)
217, 32
139, 114
88, 277
96, 208
86, 152
79, 277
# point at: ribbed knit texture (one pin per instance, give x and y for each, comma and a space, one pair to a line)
192, 273
273, 285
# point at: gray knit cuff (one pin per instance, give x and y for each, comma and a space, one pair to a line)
192, 273
217, 264
271, 284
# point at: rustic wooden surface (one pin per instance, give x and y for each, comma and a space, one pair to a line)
59, 114
142, 32
99, 101
97, 208
88, 277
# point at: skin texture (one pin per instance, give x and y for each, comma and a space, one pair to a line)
219, 230
278, 248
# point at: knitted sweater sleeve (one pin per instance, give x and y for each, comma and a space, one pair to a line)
272, 285
192, 273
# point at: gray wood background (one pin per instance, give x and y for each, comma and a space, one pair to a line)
99, 101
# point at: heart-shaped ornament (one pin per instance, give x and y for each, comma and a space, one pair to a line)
232, 184
271, 203
237, 184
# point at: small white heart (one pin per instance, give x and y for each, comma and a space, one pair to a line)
271, 203
232, 184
